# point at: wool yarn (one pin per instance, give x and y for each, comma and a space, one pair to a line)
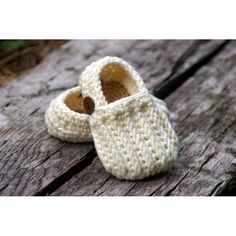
65, 117
131, 131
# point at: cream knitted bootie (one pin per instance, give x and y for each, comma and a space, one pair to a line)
66, 119
131, 131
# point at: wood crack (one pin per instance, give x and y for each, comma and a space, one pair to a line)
3, 142
216, 188
153, 193
34, 111
204, 163
45, 159
130, 189
63, 178
173, 188
4, 187
227, 129
103, 183
172, 83
183, 57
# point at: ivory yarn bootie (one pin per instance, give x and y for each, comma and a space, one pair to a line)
66, 119
130, 129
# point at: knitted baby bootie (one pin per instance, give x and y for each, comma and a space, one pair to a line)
66, 119
131, 131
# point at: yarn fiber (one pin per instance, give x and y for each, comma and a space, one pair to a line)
132, 134
65, 118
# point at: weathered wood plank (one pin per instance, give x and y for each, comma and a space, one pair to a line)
32, 162
204, 118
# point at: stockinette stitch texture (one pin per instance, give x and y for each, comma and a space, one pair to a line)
131, 131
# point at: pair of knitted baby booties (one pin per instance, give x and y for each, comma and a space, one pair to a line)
111, 106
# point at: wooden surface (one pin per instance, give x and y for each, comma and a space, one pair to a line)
195, 78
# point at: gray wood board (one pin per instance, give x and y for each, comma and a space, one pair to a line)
32, 162
203, 114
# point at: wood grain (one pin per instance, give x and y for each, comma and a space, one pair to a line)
32, 162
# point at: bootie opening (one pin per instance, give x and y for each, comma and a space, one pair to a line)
74, 101
117, 82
